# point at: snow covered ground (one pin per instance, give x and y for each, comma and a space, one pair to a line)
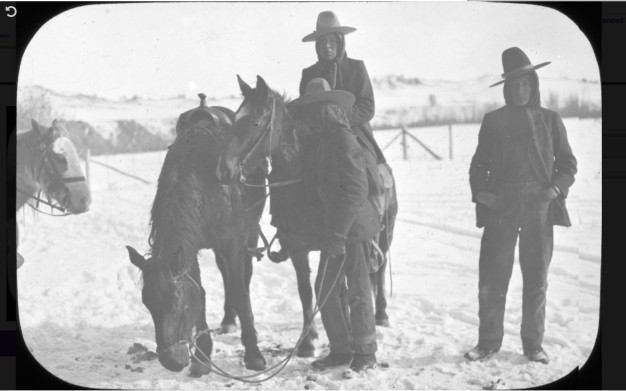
80, 306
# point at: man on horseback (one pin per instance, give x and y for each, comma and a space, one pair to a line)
338, 175
347, 74
343, 73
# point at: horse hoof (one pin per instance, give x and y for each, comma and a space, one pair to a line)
255, 364
305, 351
383, 322
227, 328
198, 368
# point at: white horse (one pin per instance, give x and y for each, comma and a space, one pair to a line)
47, 163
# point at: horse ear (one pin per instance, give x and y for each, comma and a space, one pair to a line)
42, 130
244, 87
261, 87
136, 258
35, 125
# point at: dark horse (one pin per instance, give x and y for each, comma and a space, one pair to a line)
47, 163
267, 126
193, 211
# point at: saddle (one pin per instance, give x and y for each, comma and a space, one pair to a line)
215, 116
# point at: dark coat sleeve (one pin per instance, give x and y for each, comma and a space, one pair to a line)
353, 189
363, 110
303, 80
481, 164
565, 164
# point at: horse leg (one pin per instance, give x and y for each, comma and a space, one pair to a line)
252, 241
229, 322
200, 361
240, 295
300, 260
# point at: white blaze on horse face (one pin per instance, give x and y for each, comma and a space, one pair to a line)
80, 194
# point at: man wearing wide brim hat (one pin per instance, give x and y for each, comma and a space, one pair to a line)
520, 176
339, 178
318, 90
343, 73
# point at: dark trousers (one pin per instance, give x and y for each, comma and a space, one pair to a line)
522, 212
348, 313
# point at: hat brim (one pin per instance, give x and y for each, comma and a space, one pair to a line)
513, 76
316, 34
341, 98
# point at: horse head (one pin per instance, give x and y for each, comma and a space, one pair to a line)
256, 133
58, 170
175, 301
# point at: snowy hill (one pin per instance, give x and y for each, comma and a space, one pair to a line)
399, 100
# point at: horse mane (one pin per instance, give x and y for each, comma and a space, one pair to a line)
186, 183
28, 154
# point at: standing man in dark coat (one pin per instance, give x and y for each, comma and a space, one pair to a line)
343, 73
520, 177
349, 223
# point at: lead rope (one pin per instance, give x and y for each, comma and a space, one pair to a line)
389, 254
285, 361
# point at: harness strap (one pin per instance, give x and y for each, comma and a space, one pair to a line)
38, 199
274, 184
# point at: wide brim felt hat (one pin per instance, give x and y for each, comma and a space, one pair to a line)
327, 22
515, 64
318, 90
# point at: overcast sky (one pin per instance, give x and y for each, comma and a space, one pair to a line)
163, 49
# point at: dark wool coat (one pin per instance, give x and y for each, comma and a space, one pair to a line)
349, 75
342, 187
549, 153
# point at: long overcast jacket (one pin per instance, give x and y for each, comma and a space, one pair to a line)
342, 187
549, 153
349, 75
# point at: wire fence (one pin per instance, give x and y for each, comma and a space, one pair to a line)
89, 160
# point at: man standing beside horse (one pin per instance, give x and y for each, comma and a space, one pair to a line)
339, 181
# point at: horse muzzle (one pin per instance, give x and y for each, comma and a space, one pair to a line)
175, 357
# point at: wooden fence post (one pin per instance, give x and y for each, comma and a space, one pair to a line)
404, 146
450, 138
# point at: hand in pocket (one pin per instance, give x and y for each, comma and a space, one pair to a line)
548, 194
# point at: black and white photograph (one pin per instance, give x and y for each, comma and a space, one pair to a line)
309, 195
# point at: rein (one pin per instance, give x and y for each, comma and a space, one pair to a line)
52, 206
282, 364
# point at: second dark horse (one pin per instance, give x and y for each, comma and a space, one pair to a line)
193, 211
265, 126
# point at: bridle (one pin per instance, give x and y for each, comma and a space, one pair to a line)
269, 129
182, 341
57, 179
